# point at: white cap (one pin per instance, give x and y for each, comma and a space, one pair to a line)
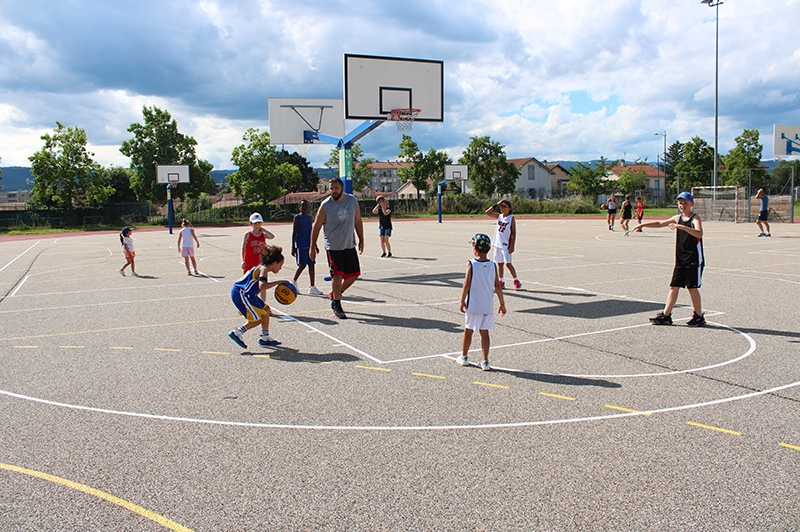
255, 218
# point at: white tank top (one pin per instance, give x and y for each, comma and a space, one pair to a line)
502, 231
480, 299
187, 241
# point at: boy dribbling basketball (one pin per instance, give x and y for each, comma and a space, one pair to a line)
477, 301
248, 295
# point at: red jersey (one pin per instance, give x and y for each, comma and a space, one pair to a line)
252, 250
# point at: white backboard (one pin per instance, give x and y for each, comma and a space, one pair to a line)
786, 140
170, 173
456, 172
374, 85
289, 117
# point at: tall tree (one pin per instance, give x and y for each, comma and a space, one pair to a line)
64, 173
308, 176
120, 179
425, 167
155, 142
489, 170
590, 181
781, 177
744, 160
260, 176
674, 154
696, 166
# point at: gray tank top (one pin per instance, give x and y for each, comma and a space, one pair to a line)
340, 222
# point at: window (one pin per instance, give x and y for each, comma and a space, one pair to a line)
531, 172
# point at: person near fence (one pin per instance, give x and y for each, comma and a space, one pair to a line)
384, 224
186, 239
611, 207
689, 260
505, 240
763, 213
254, 242
127, 250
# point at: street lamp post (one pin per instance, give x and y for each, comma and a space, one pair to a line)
715, 4
664, 162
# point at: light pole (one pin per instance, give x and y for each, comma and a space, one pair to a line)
715, 4
664, 162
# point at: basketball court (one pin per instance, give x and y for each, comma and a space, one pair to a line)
126, 406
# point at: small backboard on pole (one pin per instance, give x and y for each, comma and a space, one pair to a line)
456, 172
172, 174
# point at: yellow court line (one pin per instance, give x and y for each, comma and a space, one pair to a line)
621, 409
373, 368
25, 346
214, 352
427, 375
265, 356
794, 447
126, 328
121, 347
565, 397
710, 427
167, 349
490, 385
135, 508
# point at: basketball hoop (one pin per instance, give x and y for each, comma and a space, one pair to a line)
404, 118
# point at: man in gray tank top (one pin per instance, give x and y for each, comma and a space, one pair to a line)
340, 218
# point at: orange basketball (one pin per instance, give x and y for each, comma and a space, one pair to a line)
285, 293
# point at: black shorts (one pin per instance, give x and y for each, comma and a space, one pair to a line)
344, 263
763, 216
687, 276
612, 211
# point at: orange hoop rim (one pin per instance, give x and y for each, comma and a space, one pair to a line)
404, 114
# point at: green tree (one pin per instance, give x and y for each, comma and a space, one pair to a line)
674, 154
590, 181
64, 172
781, 177
631, 180
425, 168
120, 179
696, 166
489, 170
259, 175
155, 142
744, 159
308, 176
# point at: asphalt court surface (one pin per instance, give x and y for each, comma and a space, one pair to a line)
124, 404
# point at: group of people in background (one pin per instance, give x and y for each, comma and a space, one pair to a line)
627, 212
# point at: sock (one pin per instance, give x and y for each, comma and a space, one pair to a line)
264, 332
501, 280
242, 329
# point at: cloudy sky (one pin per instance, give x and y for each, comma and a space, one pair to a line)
552, 79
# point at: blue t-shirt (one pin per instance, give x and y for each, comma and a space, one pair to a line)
303, 236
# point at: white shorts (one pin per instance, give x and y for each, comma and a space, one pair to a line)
478, 322
187, 251
501, 255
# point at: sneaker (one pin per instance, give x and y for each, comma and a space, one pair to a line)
267, 341
294, 283
662, 319
236, 336
463, 360
517, 284
768, 234
336, 306
188, 273
135, 274
611, 227
196, 272
762, 234
484, 365
389, 255
122, 273
626, 233
314, 291
697, 321
383, 255
503, 285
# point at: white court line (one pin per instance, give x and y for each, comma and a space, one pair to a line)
18, 256
126, 302
375, 428
18, 286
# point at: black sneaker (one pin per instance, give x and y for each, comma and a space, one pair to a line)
696, 321
336, 306
662, 319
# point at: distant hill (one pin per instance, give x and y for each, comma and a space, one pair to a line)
16, 178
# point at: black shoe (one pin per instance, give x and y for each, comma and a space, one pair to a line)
662, 319
336, 306
383, 254
696, 321
390, 254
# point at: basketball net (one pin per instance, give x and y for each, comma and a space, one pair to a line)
302, 150
404, 118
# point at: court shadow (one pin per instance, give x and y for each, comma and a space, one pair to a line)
564, 380
770, 332
407, 323
202, 274
281, 353
140, 276
603, 308
446, 279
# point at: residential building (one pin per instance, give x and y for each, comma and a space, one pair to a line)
18, 196
559, 178
384, 176
655, 181
535, 178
